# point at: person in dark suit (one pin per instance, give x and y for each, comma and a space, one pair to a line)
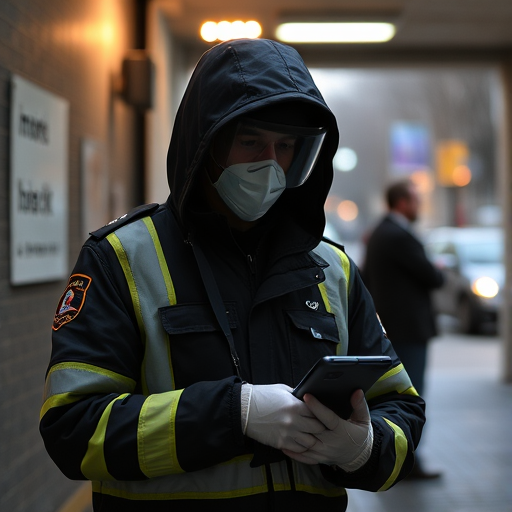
400, 277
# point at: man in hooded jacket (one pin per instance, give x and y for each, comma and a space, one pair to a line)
185, 326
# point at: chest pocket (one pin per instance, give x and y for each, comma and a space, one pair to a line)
312, 335
197, 346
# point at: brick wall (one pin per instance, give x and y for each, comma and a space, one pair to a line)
72, 48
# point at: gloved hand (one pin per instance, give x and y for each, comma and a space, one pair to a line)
345, 443
274, 417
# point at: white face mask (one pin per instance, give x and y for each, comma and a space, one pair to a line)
250, 189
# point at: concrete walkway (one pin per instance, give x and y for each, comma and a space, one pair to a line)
468, 435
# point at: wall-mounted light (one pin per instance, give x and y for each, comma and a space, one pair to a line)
338, 32
225, 30
136, 83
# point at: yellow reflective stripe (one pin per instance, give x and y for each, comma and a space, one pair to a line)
327, 304
156, 435
94, 466
126, 381
323, 293
400, 454
410, 391
58, 401
169, 286
395, 379
219, 482
231, 479
171, 294
77, 383
345, 263
280, 477
334, 289
125, 265
310, 479
130, 280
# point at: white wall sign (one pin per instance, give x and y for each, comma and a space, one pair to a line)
39, 184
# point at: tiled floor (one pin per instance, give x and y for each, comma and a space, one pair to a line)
468, 435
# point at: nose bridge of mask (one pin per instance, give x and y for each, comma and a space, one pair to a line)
262, 174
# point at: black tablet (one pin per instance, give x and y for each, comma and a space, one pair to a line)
333, 379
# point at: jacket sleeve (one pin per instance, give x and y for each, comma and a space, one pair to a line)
95, 422
397, 411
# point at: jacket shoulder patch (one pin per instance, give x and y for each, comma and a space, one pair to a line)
136, 213
72, 300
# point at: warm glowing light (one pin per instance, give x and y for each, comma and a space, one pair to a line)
345, 160
423, 180
347, 210
335, 32
461, 175
253, 29
485, 287
225, 30
237, 29
209, 31
107, 33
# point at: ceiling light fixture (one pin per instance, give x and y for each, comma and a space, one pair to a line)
339, 32
225, 30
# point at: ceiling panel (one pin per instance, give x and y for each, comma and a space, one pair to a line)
469, 26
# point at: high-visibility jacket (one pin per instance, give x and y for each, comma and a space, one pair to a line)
141, 396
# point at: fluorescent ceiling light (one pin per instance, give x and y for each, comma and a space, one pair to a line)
368, 32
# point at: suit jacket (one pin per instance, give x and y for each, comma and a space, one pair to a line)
400, 277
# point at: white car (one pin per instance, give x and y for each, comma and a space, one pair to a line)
472, 259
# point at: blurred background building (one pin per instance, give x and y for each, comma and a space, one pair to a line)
432, 101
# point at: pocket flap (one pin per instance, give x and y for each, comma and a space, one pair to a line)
320, 326
184, 318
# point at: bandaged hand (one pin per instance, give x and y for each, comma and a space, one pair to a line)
344, 443
274, 417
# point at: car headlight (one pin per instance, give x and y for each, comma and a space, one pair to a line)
485, 287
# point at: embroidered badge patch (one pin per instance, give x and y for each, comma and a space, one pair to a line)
72, 300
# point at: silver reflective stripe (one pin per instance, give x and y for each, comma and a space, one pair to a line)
84, 379
229, 480
336, 285
147, 275
308, 478
395, 379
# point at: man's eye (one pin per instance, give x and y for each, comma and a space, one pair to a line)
286, 146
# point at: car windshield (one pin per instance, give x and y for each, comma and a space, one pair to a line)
482, 252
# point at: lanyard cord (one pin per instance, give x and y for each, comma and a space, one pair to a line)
215, 299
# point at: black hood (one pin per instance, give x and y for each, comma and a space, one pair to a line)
234, 78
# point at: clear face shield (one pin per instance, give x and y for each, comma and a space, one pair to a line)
295, 149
